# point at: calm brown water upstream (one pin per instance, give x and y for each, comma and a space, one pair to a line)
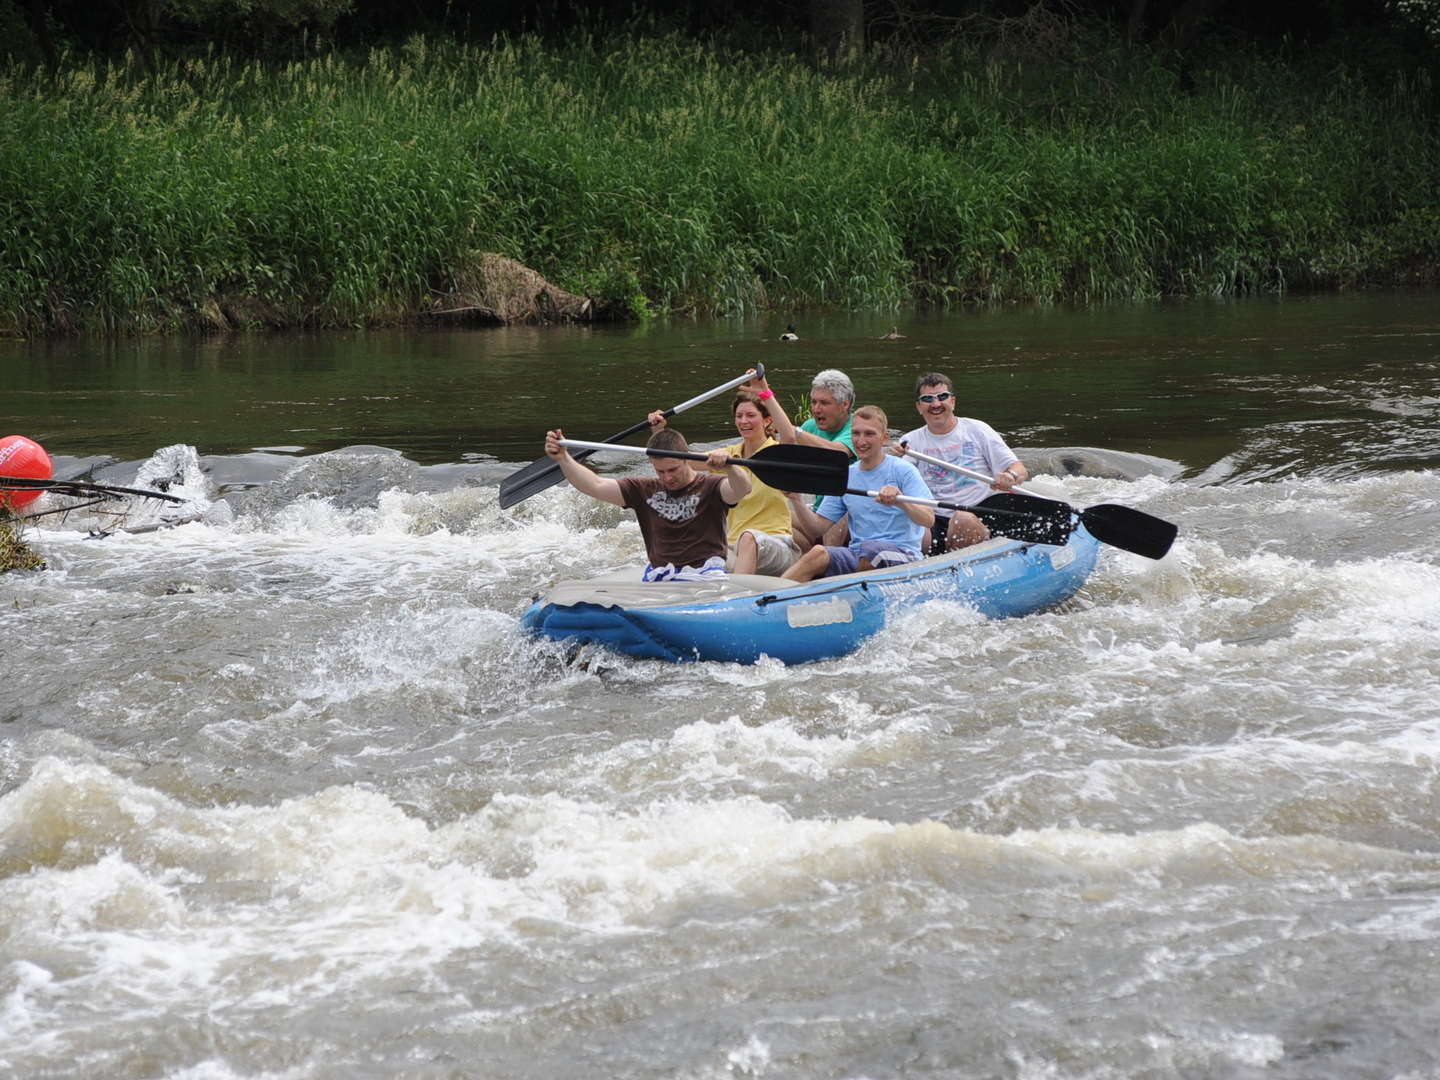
1192, 381
285, 795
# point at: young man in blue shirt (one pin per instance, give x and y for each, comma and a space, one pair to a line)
883, 531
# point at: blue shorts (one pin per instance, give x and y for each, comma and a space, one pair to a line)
881, 553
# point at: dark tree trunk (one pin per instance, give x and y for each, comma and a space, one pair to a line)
838, 26
142, 19
40, 27
1179, 33
1135, 24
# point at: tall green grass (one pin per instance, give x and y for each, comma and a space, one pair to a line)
343, 190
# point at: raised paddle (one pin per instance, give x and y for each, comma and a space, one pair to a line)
543, 473
1027, 525
80, 489
787, 466
1110, 523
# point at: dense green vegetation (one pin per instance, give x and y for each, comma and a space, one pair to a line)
676, 176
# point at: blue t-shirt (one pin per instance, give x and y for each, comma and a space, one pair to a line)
869, 520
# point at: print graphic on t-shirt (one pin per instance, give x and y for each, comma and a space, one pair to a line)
674, 509
968, 457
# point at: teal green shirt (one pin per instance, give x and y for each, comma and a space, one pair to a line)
842, 436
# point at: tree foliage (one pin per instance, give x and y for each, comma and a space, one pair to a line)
1424, 14
286, 27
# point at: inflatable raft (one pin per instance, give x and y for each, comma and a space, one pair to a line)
743, 617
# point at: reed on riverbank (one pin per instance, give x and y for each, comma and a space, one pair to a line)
671, 175
15, 553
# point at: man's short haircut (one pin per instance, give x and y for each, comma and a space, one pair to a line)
668, 439
874, 412
933, 378
837, 383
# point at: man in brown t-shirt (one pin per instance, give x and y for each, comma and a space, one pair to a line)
681, 511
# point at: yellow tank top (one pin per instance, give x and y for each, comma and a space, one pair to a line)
765, 509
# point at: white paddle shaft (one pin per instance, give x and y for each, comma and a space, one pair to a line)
580, 444
971, 473
759, 372
907, 498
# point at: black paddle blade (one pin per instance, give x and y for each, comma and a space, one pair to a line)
534, 478
1036, 521
1110, 523
1130, 529
543, 473
793, 467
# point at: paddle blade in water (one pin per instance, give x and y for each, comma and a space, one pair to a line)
543, 473
1020, 517
531, 480
1130, 529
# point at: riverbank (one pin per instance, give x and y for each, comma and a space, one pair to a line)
657, 174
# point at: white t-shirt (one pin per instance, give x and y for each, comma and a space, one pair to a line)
973, 444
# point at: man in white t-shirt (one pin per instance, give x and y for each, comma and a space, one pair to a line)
961, 441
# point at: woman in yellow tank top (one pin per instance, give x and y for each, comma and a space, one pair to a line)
759, 524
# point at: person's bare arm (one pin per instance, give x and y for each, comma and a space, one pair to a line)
785, 431
1012, 474
582, 479
736, 484
812, 524
916, 512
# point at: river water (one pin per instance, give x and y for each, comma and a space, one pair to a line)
284, 793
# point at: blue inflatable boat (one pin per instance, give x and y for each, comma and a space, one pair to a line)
743, 617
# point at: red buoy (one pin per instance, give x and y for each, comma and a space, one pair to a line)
20, 456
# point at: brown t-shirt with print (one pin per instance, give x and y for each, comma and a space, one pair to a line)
683, 527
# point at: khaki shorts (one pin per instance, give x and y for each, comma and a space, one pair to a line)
773, 554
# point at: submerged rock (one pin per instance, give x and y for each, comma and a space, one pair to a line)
351, 478
1093, 461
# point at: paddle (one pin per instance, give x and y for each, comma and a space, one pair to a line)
787, 466
78, 488
1110, 523
1035, 527
543, 473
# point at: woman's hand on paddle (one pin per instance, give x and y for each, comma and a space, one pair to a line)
658, 421
552, 444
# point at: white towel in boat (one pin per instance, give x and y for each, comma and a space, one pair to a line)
712, 567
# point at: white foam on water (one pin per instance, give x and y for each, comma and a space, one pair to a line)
424, 650
219, 1070
1184, 1049
113, 857
111, 863
752, 1059
23, 1007
731, 756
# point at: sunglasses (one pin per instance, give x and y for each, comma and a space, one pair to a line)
944, 395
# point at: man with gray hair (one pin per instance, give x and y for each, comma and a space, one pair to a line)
832, 395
